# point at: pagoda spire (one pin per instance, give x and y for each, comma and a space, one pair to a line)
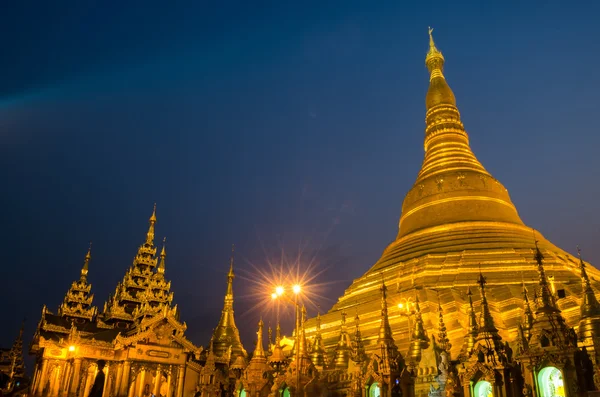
302, 336
589, 305
86, 263
439, 196
259, 351
77, 302
277, 358
419, 340
528, 318
163, 256
388, 351
317, 355
385, 331
486, 322
343, 349
444, 342
152, 222
358, 346
226, 334
472, 327
546, 297
17, 363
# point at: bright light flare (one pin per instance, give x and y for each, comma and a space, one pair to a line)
296, 288
279, 290
274, 295
400, 305
71, 348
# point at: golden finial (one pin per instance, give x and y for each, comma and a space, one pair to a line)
150, 234
431, 43
163, 255
231, 274
153, 217
88, 256
163, 252
434, 58
86, 262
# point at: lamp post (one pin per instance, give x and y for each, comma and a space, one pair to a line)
280, 293
406, 309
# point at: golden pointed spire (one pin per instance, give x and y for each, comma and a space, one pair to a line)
528, 318
163, 256
270, 336
259, 351
385, 339
317, 355
226, 334
302, 336
589, 305
358, 347
472, 327
86, 264
547, 299
278, 334
419, 340
486, 322
452, 185
230, 274
342, 351
152, 222
439, 92
434, 59
443, 340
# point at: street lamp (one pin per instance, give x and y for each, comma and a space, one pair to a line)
406, 309
280, 293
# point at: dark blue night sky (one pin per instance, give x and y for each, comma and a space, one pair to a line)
292, 127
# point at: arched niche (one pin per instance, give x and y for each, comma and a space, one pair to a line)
551, 382
483, 388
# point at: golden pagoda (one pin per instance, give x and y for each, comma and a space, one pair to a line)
457, 222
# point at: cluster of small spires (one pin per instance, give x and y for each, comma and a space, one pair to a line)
143, 282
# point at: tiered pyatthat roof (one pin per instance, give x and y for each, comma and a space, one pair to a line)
388, 351
143, 291
419, 340
17, 364
358, 347
317, 354
589, 324
549, 327
472, 330
77, 304
489, 342
226, 336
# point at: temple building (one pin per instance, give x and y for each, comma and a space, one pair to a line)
467, 301
138, 333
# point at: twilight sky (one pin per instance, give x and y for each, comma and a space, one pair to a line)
286, 128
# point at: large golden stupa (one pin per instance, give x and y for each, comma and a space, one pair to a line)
457, 221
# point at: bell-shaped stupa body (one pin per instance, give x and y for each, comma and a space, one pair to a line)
457, 221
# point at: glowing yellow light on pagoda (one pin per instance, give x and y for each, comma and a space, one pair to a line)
279, 290
71, 348
296, 288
